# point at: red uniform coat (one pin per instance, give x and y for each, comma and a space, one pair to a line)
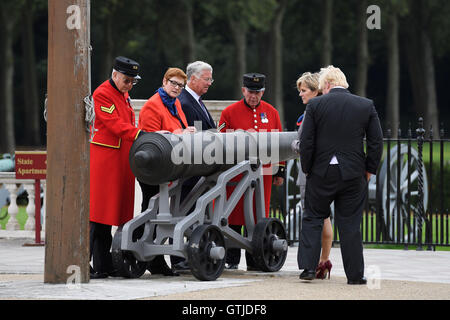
113, 132
154, 116
240, 116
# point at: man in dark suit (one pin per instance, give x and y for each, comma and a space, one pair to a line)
199, 76
337, 169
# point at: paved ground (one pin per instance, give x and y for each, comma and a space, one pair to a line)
392, 274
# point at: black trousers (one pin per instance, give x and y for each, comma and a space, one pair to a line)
233, 255
349, 199
100, 247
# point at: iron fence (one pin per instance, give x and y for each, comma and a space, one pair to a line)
407, 201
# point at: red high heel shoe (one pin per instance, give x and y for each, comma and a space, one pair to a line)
324, 269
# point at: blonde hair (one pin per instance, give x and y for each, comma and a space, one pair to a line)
175, 72
334, 76
311, 80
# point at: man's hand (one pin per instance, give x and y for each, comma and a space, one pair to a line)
368, 175
278, 181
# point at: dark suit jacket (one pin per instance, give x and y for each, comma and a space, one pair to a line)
194, 112
335, 124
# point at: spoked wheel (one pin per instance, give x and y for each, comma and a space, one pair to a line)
124, 261
269, 245
408, 190
206, 252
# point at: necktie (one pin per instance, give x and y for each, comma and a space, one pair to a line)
203, 107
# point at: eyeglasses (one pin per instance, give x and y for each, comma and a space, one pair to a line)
208, 80
128, 81
176, 84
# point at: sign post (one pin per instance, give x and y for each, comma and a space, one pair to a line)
33, 165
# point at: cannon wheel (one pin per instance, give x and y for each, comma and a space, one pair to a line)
202, 240
392, 215
124, 261
267, 257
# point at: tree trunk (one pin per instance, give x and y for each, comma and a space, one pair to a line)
430, 108
327, 45
7, 139
32, 110
393, 81
239, 35
188, 39
362, 56
419, 52
277, 72
108, 46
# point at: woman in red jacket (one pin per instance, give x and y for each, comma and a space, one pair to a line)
163, 112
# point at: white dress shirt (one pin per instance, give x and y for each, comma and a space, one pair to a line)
197, 98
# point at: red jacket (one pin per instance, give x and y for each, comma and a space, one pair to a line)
240, 116
154, 116
111, 179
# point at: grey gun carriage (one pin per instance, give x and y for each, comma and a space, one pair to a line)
203, 236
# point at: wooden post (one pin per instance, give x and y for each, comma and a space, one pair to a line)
67, 209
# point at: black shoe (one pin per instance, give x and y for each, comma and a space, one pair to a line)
231, 266
98, 275
359, 281
307, 275
251, 268
159, 266
181, 266
115, 274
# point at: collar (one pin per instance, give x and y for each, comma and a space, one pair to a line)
245, 102
192, 93
339, 88
111, 81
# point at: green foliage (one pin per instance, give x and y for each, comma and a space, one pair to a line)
437, 191
153, 32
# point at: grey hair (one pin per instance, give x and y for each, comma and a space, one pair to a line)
195, 68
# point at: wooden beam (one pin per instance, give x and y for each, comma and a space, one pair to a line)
67, 210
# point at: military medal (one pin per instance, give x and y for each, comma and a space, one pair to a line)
264, 118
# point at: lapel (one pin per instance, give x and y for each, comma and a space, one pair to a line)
199, 109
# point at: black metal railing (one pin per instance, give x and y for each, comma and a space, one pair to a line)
408, 200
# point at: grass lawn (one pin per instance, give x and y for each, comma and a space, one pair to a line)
426, 151
22, 217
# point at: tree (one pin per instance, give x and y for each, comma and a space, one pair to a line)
107, 16
362, 53
270, 44
9, 14
31, 105
238, 24
327, 44
394, 9
419, 51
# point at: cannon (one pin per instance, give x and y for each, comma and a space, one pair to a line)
203, 236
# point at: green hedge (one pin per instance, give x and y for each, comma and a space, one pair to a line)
434, 185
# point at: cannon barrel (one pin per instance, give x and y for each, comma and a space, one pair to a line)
157, 158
